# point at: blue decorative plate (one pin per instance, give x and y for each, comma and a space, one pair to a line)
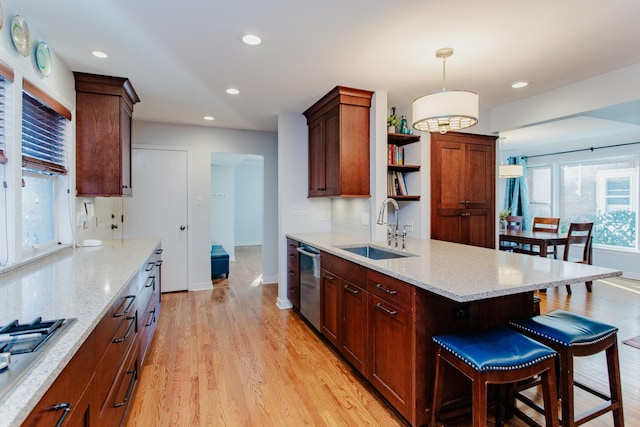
21, 36
43, 59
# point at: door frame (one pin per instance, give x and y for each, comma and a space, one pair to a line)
189, 196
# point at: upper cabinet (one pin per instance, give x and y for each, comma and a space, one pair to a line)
104, 109
339, 144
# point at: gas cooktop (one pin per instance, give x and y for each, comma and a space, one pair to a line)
22, 344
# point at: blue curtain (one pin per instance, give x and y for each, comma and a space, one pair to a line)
517, 194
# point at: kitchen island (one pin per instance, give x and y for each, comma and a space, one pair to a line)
380, 315
75, 283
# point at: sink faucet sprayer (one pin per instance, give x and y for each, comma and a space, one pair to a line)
392, 230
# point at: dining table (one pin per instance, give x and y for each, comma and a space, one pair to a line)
544, 239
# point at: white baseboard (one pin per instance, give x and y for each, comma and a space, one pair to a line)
284, 304
204, 286
267, 280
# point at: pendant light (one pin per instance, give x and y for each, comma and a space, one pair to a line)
447, 110
508, 171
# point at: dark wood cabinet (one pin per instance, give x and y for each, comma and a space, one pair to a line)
104, 109
344, 308
97, 385
463, 188
293, 273
339, 144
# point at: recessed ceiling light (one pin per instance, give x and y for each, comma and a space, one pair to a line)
99, 54
251, 39
209, 118
232, 91
518, 85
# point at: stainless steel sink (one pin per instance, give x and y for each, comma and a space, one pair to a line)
375, 253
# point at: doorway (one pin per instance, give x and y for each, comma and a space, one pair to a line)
237, 201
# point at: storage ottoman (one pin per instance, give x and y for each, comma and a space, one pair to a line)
219, 262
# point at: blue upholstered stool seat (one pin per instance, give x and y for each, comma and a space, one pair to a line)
566, 328
219, 261
494, 350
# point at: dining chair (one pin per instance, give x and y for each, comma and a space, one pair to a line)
579, 234
550, 225
514, 222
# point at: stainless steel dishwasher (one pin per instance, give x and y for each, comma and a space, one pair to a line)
310, 284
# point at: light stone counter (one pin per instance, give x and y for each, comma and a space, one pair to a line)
461, 272
79, 283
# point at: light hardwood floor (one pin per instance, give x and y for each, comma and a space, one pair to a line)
230, 357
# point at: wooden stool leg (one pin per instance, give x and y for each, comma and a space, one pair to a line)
566, 387
589, 286
615, 388
479, 396
437, 389
550, 398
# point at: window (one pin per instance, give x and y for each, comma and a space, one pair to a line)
604, 192
539, 183
44, 140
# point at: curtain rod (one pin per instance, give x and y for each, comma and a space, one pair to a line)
580, 149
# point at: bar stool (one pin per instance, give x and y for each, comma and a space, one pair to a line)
497, 356
572, 335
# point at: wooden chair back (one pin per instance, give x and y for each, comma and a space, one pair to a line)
579, 233
546, 224
514, 222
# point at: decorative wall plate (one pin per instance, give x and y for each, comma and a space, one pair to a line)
43, 59
20, 35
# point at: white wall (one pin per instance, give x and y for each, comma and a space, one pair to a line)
223, 202
249, 227
203, 141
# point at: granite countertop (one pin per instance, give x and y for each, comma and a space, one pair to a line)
80, 283
462, 272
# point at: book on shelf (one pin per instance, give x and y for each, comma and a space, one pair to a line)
395, 155
396, 184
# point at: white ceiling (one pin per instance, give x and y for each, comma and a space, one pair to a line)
182, 55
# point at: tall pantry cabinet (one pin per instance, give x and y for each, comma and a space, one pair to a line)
463, 188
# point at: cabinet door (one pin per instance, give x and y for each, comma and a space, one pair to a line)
447, 190
354, 340
98, 151
391, 349
324, 154
331, 309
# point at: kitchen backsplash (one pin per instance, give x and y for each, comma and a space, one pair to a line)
347, 217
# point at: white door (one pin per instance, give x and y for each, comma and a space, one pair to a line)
158, 208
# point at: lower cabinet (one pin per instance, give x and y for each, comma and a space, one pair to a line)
293, 273
97, 385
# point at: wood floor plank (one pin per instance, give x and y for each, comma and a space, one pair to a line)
230, 357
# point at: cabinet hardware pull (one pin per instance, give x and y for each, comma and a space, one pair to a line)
326, 276
65, 408
134, 375
128, 307
292, 256
353, 291
152, 318
114, 226
292, 273
389, 291
151, 280
158, 251
386, 310
150, 266
159, 263
126, 335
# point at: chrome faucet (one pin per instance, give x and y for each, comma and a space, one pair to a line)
391, 230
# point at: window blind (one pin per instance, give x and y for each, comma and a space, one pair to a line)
43, 137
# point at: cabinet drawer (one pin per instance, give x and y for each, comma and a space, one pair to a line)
115, 409
148, 323
115, 317
392, 290
114, 356
349, 271
62, 397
